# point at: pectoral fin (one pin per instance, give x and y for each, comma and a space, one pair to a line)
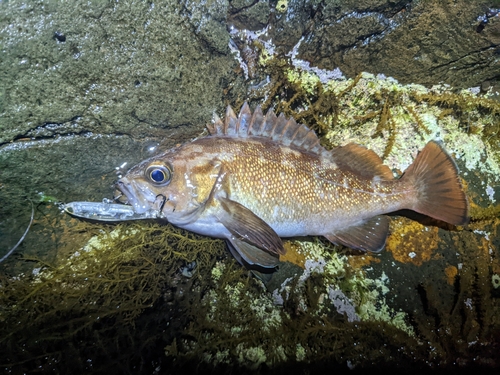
368, 236
248, 228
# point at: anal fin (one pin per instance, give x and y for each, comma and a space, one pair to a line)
370, 235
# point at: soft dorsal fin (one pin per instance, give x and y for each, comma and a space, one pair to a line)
361, 161
278, 128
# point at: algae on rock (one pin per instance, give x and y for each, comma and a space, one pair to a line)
102, 291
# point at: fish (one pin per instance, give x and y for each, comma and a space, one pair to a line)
255, 179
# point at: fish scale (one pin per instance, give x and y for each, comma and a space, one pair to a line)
264, 180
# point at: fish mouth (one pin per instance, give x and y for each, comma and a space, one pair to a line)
120, 197
121, 193
126, 193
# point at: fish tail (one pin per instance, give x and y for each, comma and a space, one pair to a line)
439, 190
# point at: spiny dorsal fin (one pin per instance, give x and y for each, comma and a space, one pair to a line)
361, 161
278, 128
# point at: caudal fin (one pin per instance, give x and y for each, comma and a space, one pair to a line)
440, 192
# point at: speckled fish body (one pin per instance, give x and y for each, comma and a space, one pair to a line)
296, 193
258, 177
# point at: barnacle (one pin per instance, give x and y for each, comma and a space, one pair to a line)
282, 6
495, 280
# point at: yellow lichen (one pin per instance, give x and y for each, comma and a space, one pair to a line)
412, 242
451, 273
293, 254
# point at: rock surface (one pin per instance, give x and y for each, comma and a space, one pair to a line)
454, 42
111, 68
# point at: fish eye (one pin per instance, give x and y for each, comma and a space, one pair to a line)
159, 174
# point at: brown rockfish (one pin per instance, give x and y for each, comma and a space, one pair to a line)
258, 177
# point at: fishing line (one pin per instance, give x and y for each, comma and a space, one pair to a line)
24, 235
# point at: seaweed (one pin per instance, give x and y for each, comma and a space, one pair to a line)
376, 107
386, 122
312, 104
485, 213
237, 324
420, 125
465, 330
471, 110
90, 303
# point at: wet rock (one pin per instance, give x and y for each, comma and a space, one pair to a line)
291, 24
125, 68
84, 87
250, 15
208, 23
455, 42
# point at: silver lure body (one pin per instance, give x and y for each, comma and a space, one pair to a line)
105, 211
